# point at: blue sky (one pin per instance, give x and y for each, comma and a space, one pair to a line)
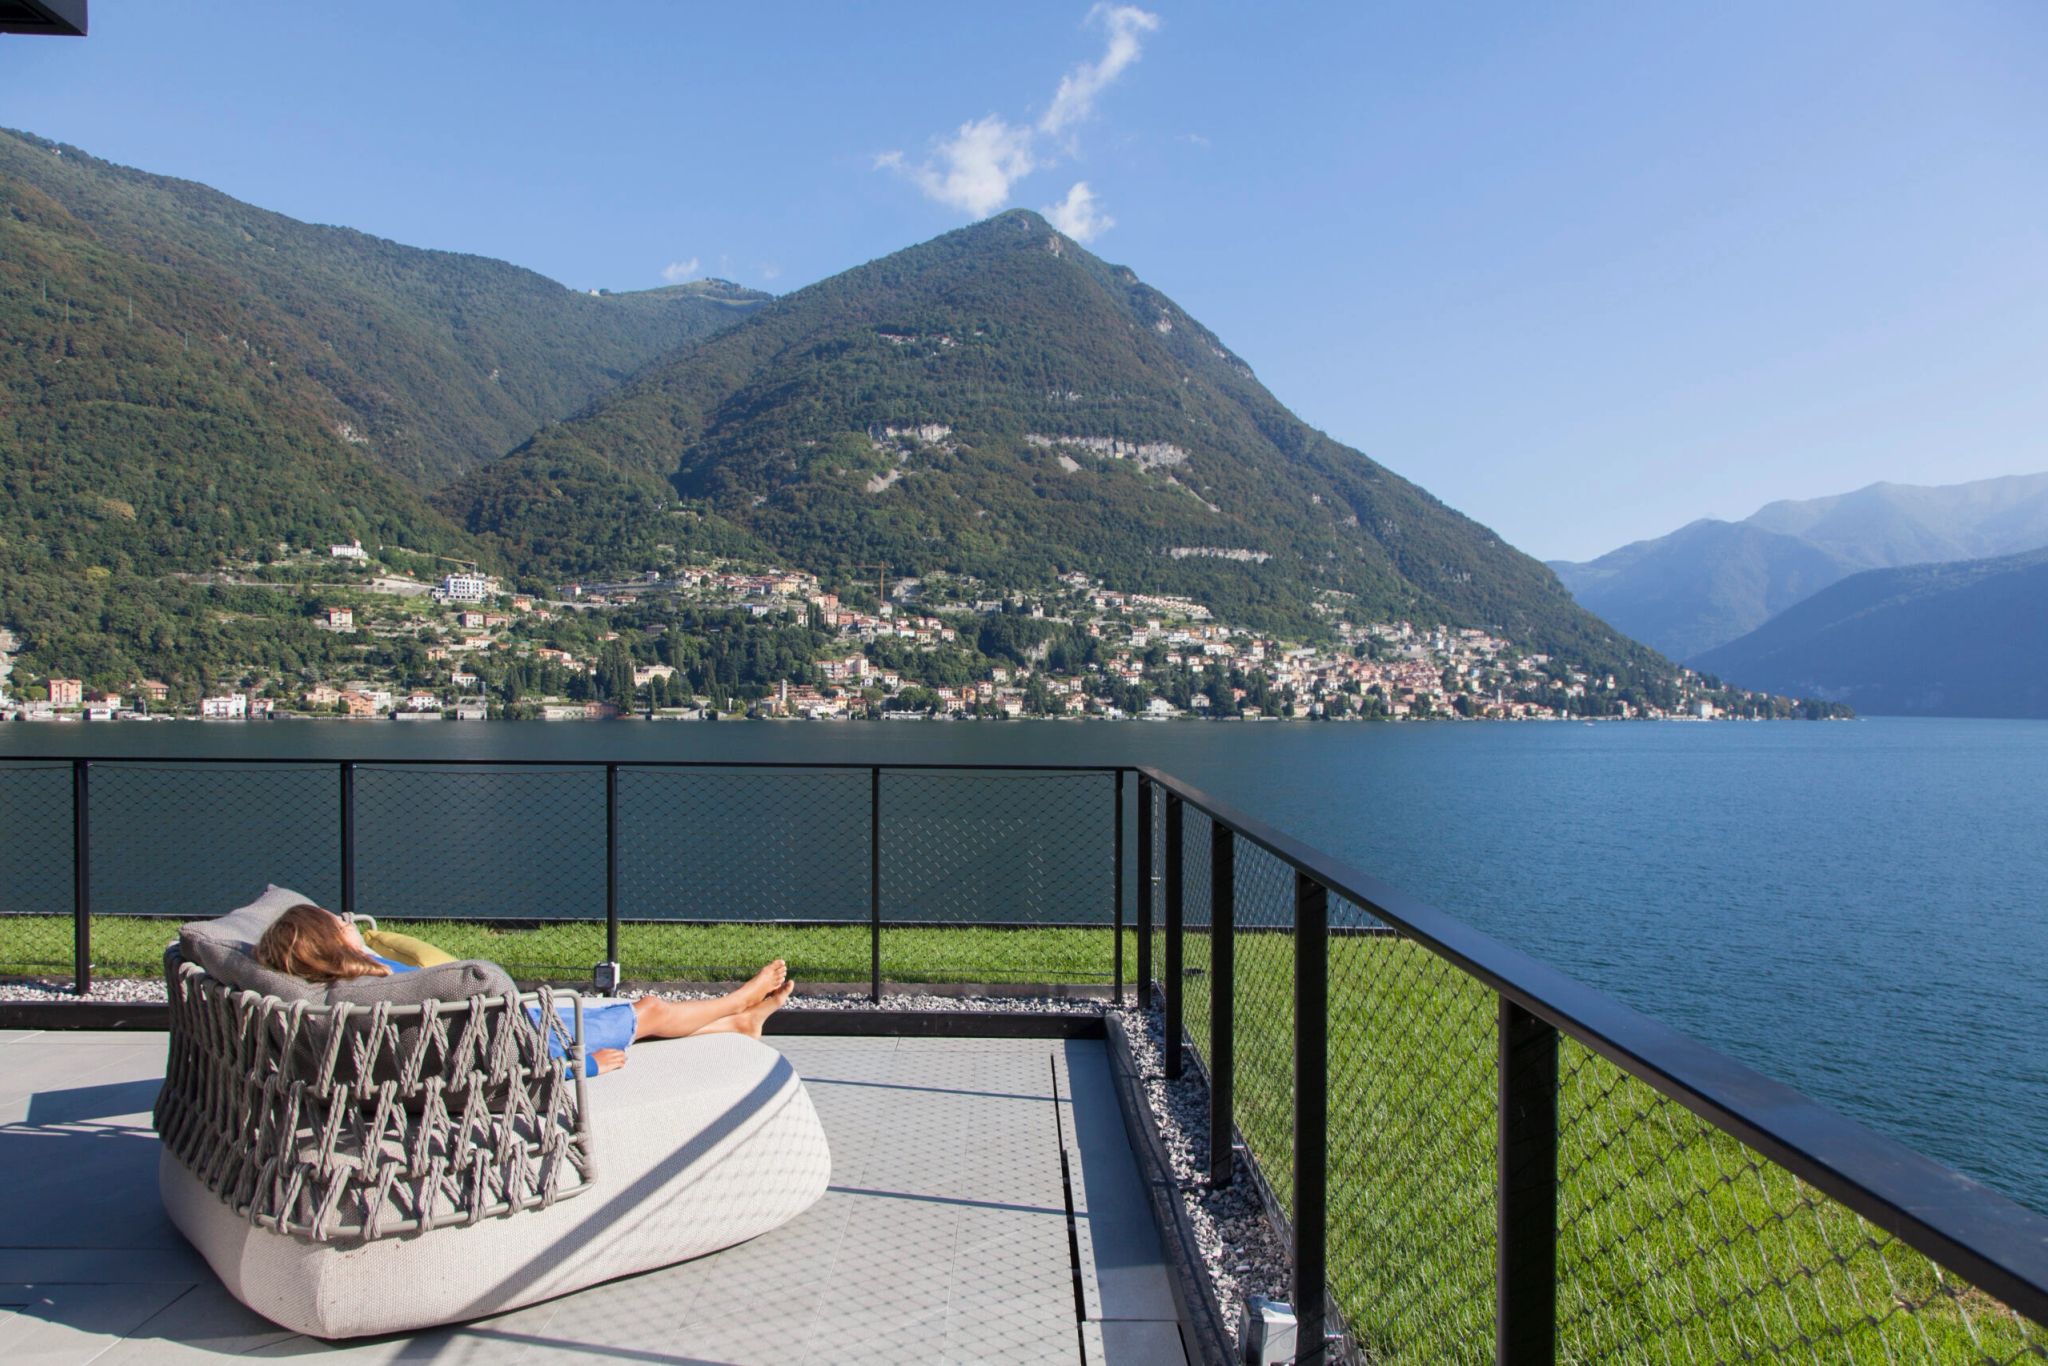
1585, 271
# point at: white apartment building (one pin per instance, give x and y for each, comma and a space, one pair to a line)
233, 707
468, 588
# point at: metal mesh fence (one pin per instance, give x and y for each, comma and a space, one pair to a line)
175, 842
1019, 867
506, 863
1264, 1013
35, 871
1152, 892
1413, 1097
1676, 1242
1197, 917
985, 876
709, 856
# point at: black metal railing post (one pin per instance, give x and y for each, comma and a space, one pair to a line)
875, 885
1119, 860
1222, 998
608, 971
81, 876
348, 838
1311, 1114
1145, 876
1175, 976
1525, 1274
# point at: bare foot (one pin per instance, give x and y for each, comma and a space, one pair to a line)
758, 987
609, 1059
750, 1020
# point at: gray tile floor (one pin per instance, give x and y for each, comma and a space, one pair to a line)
945, 1236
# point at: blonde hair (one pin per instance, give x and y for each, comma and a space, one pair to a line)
307, 941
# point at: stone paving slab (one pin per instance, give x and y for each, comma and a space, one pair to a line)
945, 1236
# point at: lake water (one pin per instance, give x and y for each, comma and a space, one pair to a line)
1858, 909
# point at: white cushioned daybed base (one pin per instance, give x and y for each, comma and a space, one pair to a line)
698, 1144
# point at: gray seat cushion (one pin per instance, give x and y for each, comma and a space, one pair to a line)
225, 946
457, 981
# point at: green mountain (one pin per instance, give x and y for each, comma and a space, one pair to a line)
187, 379
434, 362
1712, 581
1959, 639
1000, 403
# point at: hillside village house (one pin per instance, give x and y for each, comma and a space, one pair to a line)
232, 707
352, 551
156, 690
322, 695
341, 619
66, 692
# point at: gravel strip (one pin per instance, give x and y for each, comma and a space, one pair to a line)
124, 990
1240, 1248
1033, 1005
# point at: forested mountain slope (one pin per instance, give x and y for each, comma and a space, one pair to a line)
1000, 403
435, 361
186, 380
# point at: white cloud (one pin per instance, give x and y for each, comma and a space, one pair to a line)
975, 169
1075, 99
769, 270
675, 272
1078, 216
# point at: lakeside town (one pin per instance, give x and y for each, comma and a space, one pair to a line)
718, 640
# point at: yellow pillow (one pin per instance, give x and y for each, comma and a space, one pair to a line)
403, 948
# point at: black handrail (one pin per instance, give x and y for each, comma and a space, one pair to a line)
416, 761
1996, 1243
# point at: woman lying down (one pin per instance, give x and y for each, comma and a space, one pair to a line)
314, 943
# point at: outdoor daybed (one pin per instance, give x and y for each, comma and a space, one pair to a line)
391, 1153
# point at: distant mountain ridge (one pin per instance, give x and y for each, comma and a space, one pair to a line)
1968, 638
1711, 582
998, 402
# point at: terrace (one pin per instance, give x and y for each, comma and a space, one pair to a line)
1465, 1153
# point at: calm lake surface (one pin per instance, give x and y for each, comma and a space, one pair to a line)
1858, 909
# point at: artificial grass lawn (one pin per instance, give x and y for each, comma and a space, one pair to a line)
126, 946
1675, 1241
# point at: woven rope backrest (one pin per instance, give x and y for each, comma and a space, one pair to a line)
351, 1123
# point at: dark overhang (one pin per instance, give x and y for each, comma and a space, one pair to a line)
53, 18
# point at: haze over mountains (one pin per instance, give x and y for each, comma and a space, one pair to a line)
193, 381
1711, 581
1967, 638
